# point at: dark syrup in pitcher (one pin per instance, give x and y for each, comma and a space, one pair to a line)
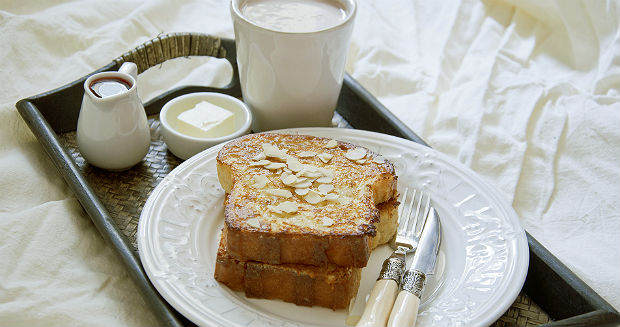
109, 86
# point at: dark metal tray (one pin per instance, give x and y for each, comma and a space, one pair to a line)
552, 295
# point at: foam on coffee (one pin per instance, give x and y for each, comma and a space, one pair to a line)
294, 16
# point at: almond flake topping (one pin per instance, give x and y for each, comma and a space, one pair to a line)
280, 192
325, 157
331, 144
260, 181
259, 156
361, 161
260, 163
275, 165
301, 191
293, 164
355, 154
327, 221
254, 222
313, 197
286, 206
326, 188
288, 179
305, 184
306, 154
306, 172
332, 197
379, 159
342, 200
325, 179
273, 151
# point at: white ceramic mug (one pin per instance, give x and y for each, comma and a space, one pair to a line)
291, 78
113, 131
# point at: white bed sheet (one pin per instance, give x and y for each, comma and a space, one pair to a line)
526, 93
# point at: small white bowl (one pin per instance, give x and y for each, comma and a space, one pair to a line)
185, 146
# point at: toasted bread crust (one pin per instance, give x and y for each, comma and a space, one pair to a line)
329, 286
348, 250
278, 239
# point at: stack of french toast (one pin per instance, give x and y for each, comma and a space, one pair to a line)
302, 215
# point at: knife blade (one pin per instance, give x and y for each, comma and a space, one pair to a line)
405, 309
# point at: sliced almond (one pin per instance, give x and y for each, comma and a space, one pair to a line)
325, 179
355, 154
280, 192
379, 159
331, 144
293, 164
260, 163
310, 174
305, 184
325, 188
286, 206
259, 156
273, 151
275, 165
312, 168
343, 200
301, 191
254, 222
327, 221
325, 157
326, 172
313, 197
361, 161
260, 181
306, 154
289, 179
332, 197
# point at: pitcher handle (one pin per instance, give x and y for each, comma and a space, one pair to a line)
130, 69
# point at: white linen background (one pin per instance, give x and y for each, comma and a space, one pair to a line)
526, 93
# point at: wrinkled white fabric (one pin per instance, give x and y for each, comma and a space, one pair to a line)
526, 93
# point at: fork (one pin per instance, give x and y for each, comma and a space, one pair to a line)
383, 294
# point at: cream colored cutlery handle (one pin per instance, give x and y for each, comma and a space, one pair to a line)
379, 304
405, 310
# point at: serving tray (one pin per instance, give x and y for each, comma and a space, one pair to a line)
551, 296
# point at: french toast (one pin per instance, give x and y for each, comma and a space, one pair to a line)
330, 286
303, 199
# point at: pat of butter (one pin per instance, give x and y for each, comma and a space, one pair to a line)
206, 120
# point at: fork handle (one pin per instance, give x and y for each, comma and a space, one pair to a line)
383, 294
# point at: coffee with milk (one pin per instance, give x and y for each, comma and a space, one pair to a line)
294, 16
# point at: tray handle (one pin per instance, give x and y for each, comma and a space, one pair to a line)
169, 46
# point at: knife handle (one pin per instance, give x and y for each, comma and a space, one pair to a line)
405, 309
383, 294
379, 304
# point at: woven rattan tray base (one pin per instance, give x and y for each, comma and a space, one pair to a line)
124, 195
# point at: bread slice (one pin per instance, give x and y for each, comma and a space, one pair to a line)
303, 199
330, 286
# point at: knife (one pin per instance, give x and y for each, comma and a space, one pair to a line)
405, 309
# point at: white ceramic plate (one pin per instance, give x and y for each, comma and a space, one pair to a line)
483, 254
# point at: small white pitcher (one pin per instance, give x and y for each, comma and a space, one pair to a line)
113, 131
